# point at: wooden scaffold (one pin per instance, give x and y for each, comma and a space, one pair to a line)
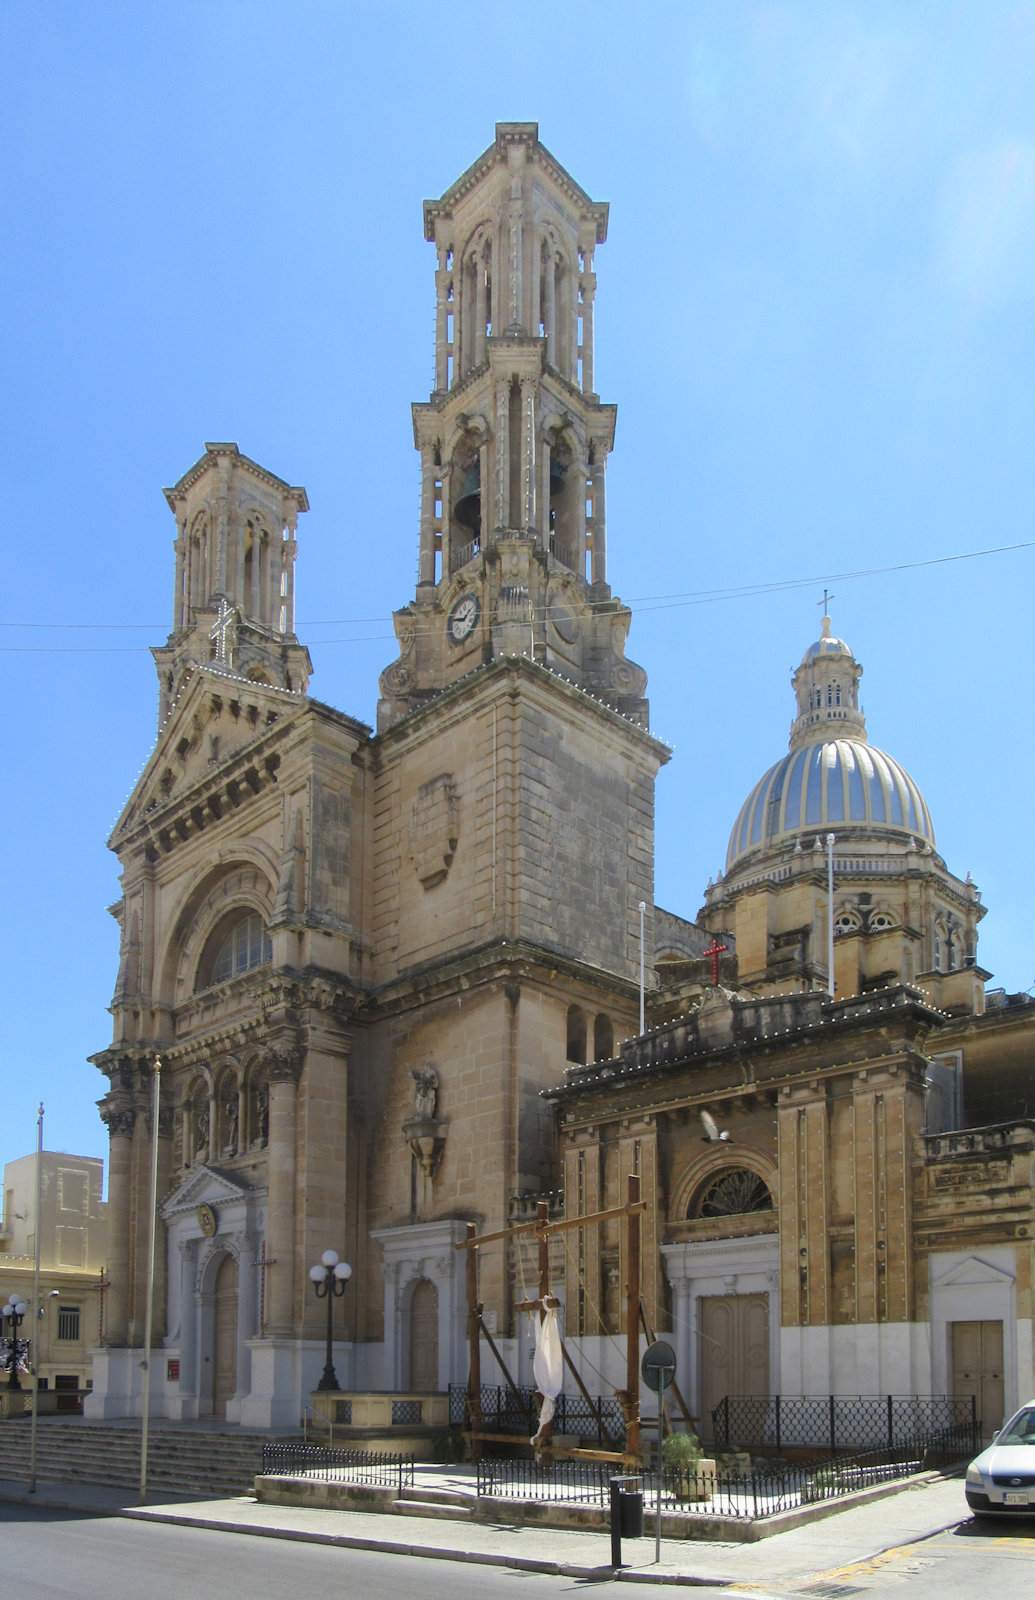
629, 1397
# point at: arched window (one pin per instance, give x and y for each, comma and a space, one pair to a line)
939, 948
247, 945
734, 1193
237, 944
880, 921
603, 1038
846, 922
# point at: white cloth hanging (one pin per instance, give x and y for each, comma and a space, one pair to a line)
547, 1364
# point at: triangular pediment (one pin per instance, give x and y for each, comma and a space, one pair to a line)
217, 719
208, 1186
972, 1273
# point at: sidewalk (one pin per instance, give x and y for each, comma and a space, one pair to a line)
774, 1566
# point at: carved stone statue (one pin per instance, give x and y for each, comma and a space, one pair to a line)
230, 1148
425, 1097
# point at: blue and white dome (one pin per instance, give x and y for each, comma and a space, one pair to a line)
834, 785
833, 780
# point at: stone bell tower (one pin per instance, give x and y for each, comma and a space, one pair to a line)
234, 597
513, 441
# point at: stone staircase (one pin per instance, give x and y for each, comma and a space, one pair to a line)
179, 1460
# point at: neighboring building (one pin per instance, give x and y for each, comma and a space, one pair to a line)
73, 1250
361, 957
376, 965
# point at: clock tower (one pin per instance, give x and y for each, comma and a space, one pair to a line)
513, 803
513, 442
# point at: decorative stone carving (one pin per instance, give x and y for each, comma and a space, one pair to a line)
425, 1135
434, 829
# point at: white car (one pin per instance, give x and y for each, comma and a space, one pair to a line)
1001, 1480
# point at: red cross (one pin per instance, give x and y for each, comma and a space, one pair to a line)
715, 952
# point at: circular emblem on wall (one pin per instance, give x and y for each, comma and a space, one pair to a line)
206, 1220
463, 619
564, 620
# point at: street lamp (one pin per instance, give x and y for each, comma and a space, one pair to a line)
13, 1314
329, 1280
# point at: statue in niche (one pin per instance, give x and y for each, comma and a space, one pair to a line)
262, 1115
201, 1148
230, 1148
425, 1096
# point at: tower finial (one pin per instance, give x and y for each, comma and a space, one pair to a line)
825, 603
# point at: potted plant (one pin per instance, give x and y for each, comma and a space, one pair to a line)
685, 1464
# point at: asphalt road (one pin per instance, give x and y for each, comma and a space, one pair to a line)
60, 1555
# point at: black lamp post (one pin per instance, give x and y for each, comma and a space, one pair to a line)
13, 1314
329, 1280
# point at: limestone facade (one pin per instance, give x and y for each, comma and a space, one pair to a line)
361, 956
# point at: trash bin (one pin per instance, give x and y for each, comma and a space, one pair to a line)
626, 1513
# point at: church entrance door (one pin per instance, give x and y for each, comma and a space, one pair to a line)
734, 1333
224, 1352
424, 1338
977, 1369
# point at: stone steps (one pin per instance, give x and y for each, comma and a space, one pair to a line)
205, 1463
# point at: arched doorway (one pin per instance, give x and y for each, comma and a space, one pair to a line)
424, 1338
224, 1340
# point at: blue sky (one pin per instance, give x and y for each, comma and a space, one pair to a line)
815, 313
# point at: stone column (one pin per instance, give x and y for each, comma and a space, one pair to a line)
280, 1202
427, 516
550, 307
222, 525
480, 310
528, 454
120, 1120
597, 473
442, 280
290, 551
181, 544
501, 448
589, 289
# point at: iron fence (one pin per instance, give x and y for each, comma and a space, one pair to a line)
840, 1423
381, 1468
758, 1493
599, 1419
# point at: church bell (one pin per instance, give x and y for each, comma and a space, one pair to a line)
468, 509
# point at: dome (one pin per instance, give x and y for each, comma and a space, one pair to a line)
835, 785
827, 646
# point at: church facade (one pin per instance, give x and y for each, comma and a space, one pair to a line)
391, 974
360, 955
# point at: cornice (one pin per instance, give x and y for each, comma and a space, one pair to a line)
213, 454
507, 134
480, 678
904, 1009
483, 966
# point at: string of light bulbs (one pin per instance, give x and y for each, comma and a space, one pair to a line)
643, 603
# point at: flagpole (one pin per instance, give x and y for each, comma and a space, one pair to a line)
36, 1303
149, 1315
830, 914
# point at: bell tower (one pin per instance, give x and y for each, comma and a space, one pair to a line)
234, 596
513, 441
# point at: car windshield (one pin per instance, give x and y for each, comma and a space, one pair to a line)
1020, 1429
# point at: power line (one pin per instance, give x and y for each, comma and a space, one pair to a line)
663, 602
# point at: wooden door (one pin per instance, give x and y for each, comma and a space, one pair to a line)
734, 1338
224, 1352
977, 1369
424, 1338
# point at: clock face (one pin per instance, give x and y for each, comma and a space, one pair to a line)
463, 619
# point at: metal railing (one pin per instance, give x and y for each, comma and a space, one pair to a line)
759, 1493
502, 1409
847, 1422
289, 1460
